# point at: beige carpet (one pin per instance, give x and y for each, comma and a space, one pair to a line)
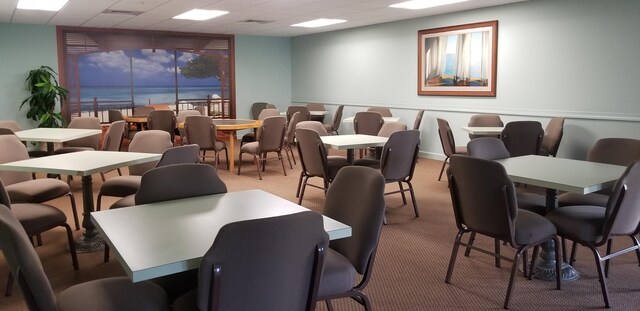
411, 263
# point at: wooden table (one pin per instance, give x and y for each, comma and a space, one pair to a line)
353, 141
55, 135
558, 174
140, 121
163, 238
83, 163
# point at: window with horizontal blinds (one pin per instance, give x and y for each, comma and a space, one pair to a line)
123, 69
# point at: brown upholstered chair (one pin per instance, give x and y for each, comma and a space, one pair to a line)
22, 187
10, 127
522, 137
180, 118
383, 111
398, 161
594, 226
304, 111
552, 137
112, 140
252, 136
290, 138
356, 197
335, 123
314, 161
418, 121
268, 264
270, 139
104, 294
448, 143
164, 120
618, 151
484, 202
114, 115
201, 130
367, 123
150, 141
256, 108
37, 218
10, 124
485, 120
85, 143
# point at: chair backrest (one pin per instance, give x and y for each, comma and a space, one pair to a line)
305, 115
24, 263
200, 130
268, 112
484, 120
180, 154
483, 197
416, 123
553, 135
622, 216
618, 151
201, 109
522, 137
399, 155
115, 115
313, 125
290, 135
6, 131
312, 152
13, 150
383, 111
446, 137
91, 123
113, 136
267, 264
183, 114
337, 118
10, 124
256, 108
143, 111
488, 148
150, 141
164, 120
389, 128
178, 181
272, 133
316, 107
271, 106
367, 122
356, 197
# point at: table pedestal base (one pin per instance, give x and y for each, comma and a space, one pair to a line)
89, 245
545, 268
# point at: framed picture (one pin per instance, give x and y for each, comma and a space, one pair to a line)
458, 60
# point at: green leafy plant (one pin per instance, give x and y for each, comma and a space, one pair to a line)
42, 84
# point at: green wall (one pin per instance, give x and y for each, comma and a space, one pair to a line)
23, 47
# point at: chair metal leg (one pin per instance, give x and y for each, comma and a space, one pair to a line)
536, 250
572, 259
472, 238
602, 278
454, 254
258, 160
514, 268
496, 246
606, 263
404, 198
9, 289
444, 163
304, 186
558, 264
72, 246
284, 170
74, 209
329, 305
413, 199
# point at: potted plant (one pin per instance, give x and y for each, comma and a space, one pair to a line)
44, 90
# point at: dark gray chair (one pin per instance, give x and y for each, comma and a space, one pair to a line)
114, 115
356, 197
104, 294
304, 111
112, 140
201, 130
484, 202
594, 226
314, 161
335, 123
163, 120
398, 162
448, 143
383, 111
522, 137
270, 139
290, 138
418, 121
256, 108
269, 264
552, 137
485, 120
367, 123
252, 136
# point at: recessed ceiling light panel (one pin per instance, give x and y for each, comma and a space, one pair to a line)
321, 22
200, 15
423, 4
43, 5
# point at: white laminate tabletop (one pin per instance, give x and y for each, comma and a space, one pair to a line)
386, 119
562, 174
55, 135
483, 130
168, 237
311, 112
80, 163
353, 141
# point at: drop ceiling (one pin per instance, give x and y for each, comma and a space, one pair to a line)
246, 17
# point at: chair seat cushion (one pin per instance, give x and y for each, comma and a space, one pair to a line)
127, 201
369, 162
333, 166
338, 275
220, 145
328, 127
597, 199
36, 218
251, 147
37, 190
531, 228
113, 294
532, 202
186, 302
121, 186
582, 222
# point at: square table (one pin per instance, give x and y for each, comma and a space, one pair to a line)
55, 135
386, 119
483, 130
558, 174
353, 141
163, 238
82, 163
